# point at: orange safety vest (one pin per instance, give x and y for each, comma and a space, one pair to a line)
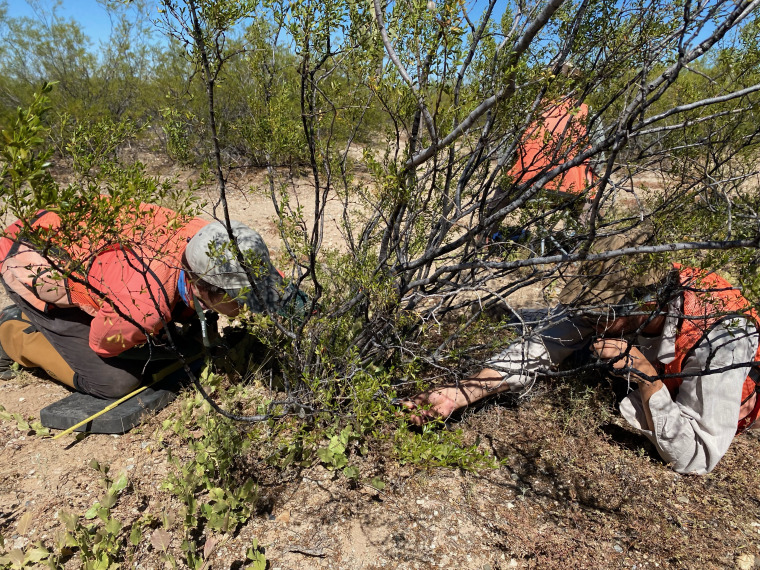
555, 139
154, 234
708, 299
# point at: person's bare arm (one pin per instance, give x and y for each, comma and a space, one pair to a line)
444, 401
514, 369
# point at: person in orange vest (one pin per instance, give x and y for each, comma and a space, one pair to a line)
93, 311
556, 138
560, 134
683, 341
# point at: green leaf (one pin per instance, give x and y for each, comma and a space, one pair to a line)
217, 521
135, 535
325, 455
256, 555
92, 512
336, 446
113, 526
378, 483
247, 490
119, 484
37, 554
69, 520
340, 461
345, 435
39, 429
109, 500
351, 471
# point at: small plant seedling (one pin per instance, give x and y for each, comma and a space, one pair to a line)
255, 556
30, 426
334, 455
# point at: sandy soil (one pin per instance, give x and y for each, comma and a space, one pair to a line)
577, 490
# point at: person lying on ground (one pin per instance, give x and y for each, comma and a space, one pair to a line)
96, 330
684, 340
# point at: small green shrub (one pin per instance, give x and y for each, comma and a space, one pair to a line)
101, 543
28, 425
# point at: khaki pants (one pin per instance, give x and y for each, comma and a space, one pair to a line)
31, 349
60, 345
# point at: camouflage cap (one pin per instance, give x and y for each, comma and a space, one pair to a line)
622, 282
211, 257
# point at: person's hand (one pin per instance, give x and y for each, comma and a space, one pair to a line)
625, 356
609, 348
630, 364
434, 404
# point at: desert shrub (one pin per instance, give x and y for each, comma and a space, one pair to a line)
446, 99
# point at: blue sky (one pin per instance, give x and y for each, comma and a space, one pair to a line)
93, 17
90, 14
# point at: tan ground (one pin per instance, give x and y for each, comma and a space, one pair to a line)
577, 490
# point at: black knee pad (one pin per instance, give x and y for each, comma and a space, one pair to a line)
118, 383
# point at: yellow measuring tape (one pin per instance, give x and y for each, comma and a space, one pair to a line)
157, 377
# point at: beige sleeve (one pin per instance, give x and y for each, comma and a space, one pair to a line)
30, 275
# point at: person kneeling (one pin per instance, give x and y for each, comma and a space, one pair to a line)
97, 330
